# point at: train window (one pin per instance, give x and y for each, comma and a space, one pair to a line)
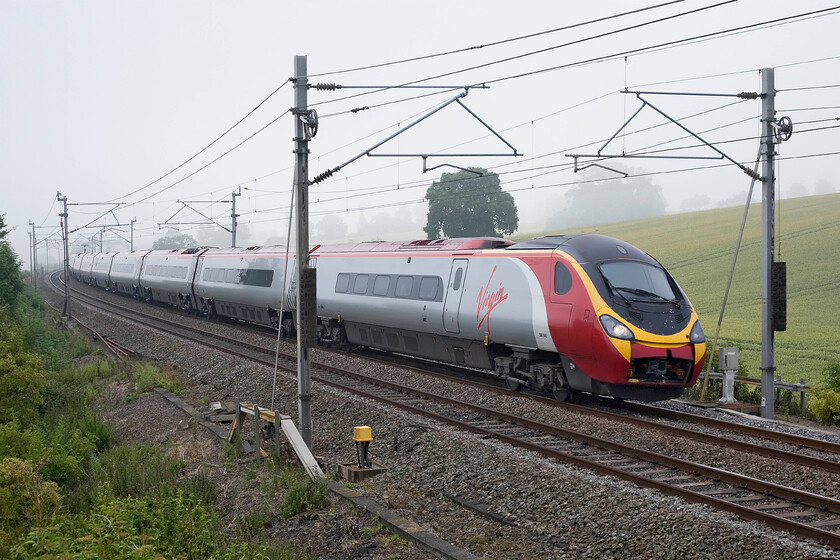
230, 275
381, 284
255, 277
360, 284
456, 284
628, 275
428, 287
404, 285
342, 283
562, 279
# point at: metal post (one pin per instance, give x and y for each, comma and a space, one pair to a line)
34, 257
132, 233
66, 230
233, 216
302, 246
768, 118
31, 270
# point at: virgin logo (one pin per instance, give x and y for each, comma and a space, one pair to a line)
487, 301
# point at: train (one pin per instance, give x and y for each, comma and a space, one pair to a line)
558, 314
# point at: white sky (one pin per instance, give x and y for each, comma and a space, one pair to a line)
100, 98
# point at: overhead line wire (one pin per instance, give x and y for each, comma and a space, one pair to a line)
668, 44
495, 43
527, 54
642, 50
202, 150
208, 164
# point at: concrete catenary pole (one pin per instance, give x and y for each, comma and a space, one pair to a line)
301, 186
768, 119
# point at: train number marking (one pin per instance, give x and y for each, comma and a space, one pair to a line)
487, 301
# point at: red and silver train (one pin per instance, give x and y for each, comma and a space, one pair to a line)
559, 314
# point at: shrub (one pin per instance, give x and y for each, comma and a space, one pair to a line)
21, 379
303, 496
825, 402
26, 500
832, 377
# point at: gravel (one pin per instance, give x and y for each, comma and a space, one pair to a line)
549, 510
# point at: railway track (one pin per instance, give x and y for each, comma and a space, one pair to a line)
803, 513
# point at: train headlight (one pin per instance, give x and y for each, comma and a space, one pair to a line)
615, 328
697, 336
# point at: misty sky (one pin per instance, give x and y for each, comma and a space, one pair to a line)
99, 99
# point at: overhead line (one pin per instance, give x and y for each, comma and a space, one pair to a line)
532, 53
638, 51
208, 164
667, 44
202, 150
495, 43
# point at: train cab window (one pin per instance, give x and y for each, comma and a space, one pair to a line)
342, 283
428, 287
629, 276
562, 279
456, 284
230, 275
360, 285
381, 284
404, 285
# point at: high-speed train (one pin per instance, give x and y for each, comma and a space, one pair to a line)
559, 314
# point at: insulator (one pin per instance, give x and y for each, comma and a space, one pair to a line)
748, 95
325, 175
357, 109
327, 87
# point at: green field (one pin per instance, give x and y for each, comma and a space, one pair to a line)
697, 249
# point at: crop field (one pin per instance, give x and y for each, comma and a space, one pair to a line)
697, 249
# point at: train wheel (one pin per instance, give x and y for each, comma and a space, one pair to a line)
512, 383
560, 388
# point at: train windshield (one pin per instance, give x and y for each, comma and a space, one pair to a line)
638, 281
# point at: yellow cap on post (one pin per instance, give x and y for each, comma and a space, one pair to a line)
362, 433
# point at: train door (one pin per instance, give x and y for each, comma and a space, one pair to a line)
454, 291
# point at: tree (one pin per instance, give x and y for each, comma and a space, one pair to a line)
11, 284
175, 241
610, 200
470, 204
3, 228
824, 186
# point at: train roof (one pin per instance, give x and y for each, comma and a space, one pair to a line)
444, 245
585, 247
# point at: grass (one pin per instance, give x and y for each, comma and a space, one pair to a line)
697, 249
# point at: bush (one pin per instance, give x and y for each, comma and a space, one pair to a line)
832, 377
303, 496
26, 500
825, 402
825, 406
21, 379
